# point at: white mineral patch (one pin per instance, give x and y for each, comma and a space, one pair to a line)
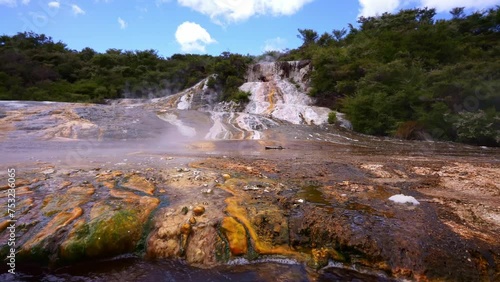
233, 125
282, 100
173, 120
219, 129
185, 102
403, 199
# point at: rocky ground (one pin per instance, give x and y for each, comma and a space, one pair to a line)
94, 189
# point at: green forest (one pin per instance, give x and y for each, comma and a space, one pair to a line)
34, 67
407, 74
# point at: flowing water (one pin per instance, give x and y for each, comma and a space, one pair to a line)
131, 268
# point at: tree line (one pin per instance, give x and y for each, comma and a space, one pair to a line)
34, 67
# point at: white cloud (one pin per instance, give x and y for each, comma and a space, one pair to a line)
370, 8
54, 4
239, 10
25, 2
123, 24
77, 10
376, 7
275, 44
192, 37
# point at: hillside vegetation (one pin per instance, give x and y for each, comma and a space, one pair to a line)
34, 67
411, 76
406, 75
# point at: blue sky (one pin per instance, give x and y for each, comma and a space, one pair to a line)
196, 26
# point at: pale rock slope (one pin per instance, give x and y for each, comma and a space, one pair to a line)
277, 94
279, 90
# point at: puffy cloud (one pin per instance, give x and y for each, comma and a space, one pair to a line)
54, 4
376, 7
123, 24
192, 37
240, 10
77, 10
25, 2
275, 44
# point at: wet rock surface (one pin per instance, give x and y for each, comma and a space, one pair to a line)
321, 203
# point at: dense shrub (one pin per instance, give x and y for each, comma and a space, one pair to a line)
332, 117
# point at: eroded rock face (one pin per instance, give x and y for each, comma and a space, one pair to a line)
279, 90
297, 71
59, 222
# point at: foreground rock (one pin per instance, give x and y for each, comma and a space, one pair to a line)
63, 222
330, 212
